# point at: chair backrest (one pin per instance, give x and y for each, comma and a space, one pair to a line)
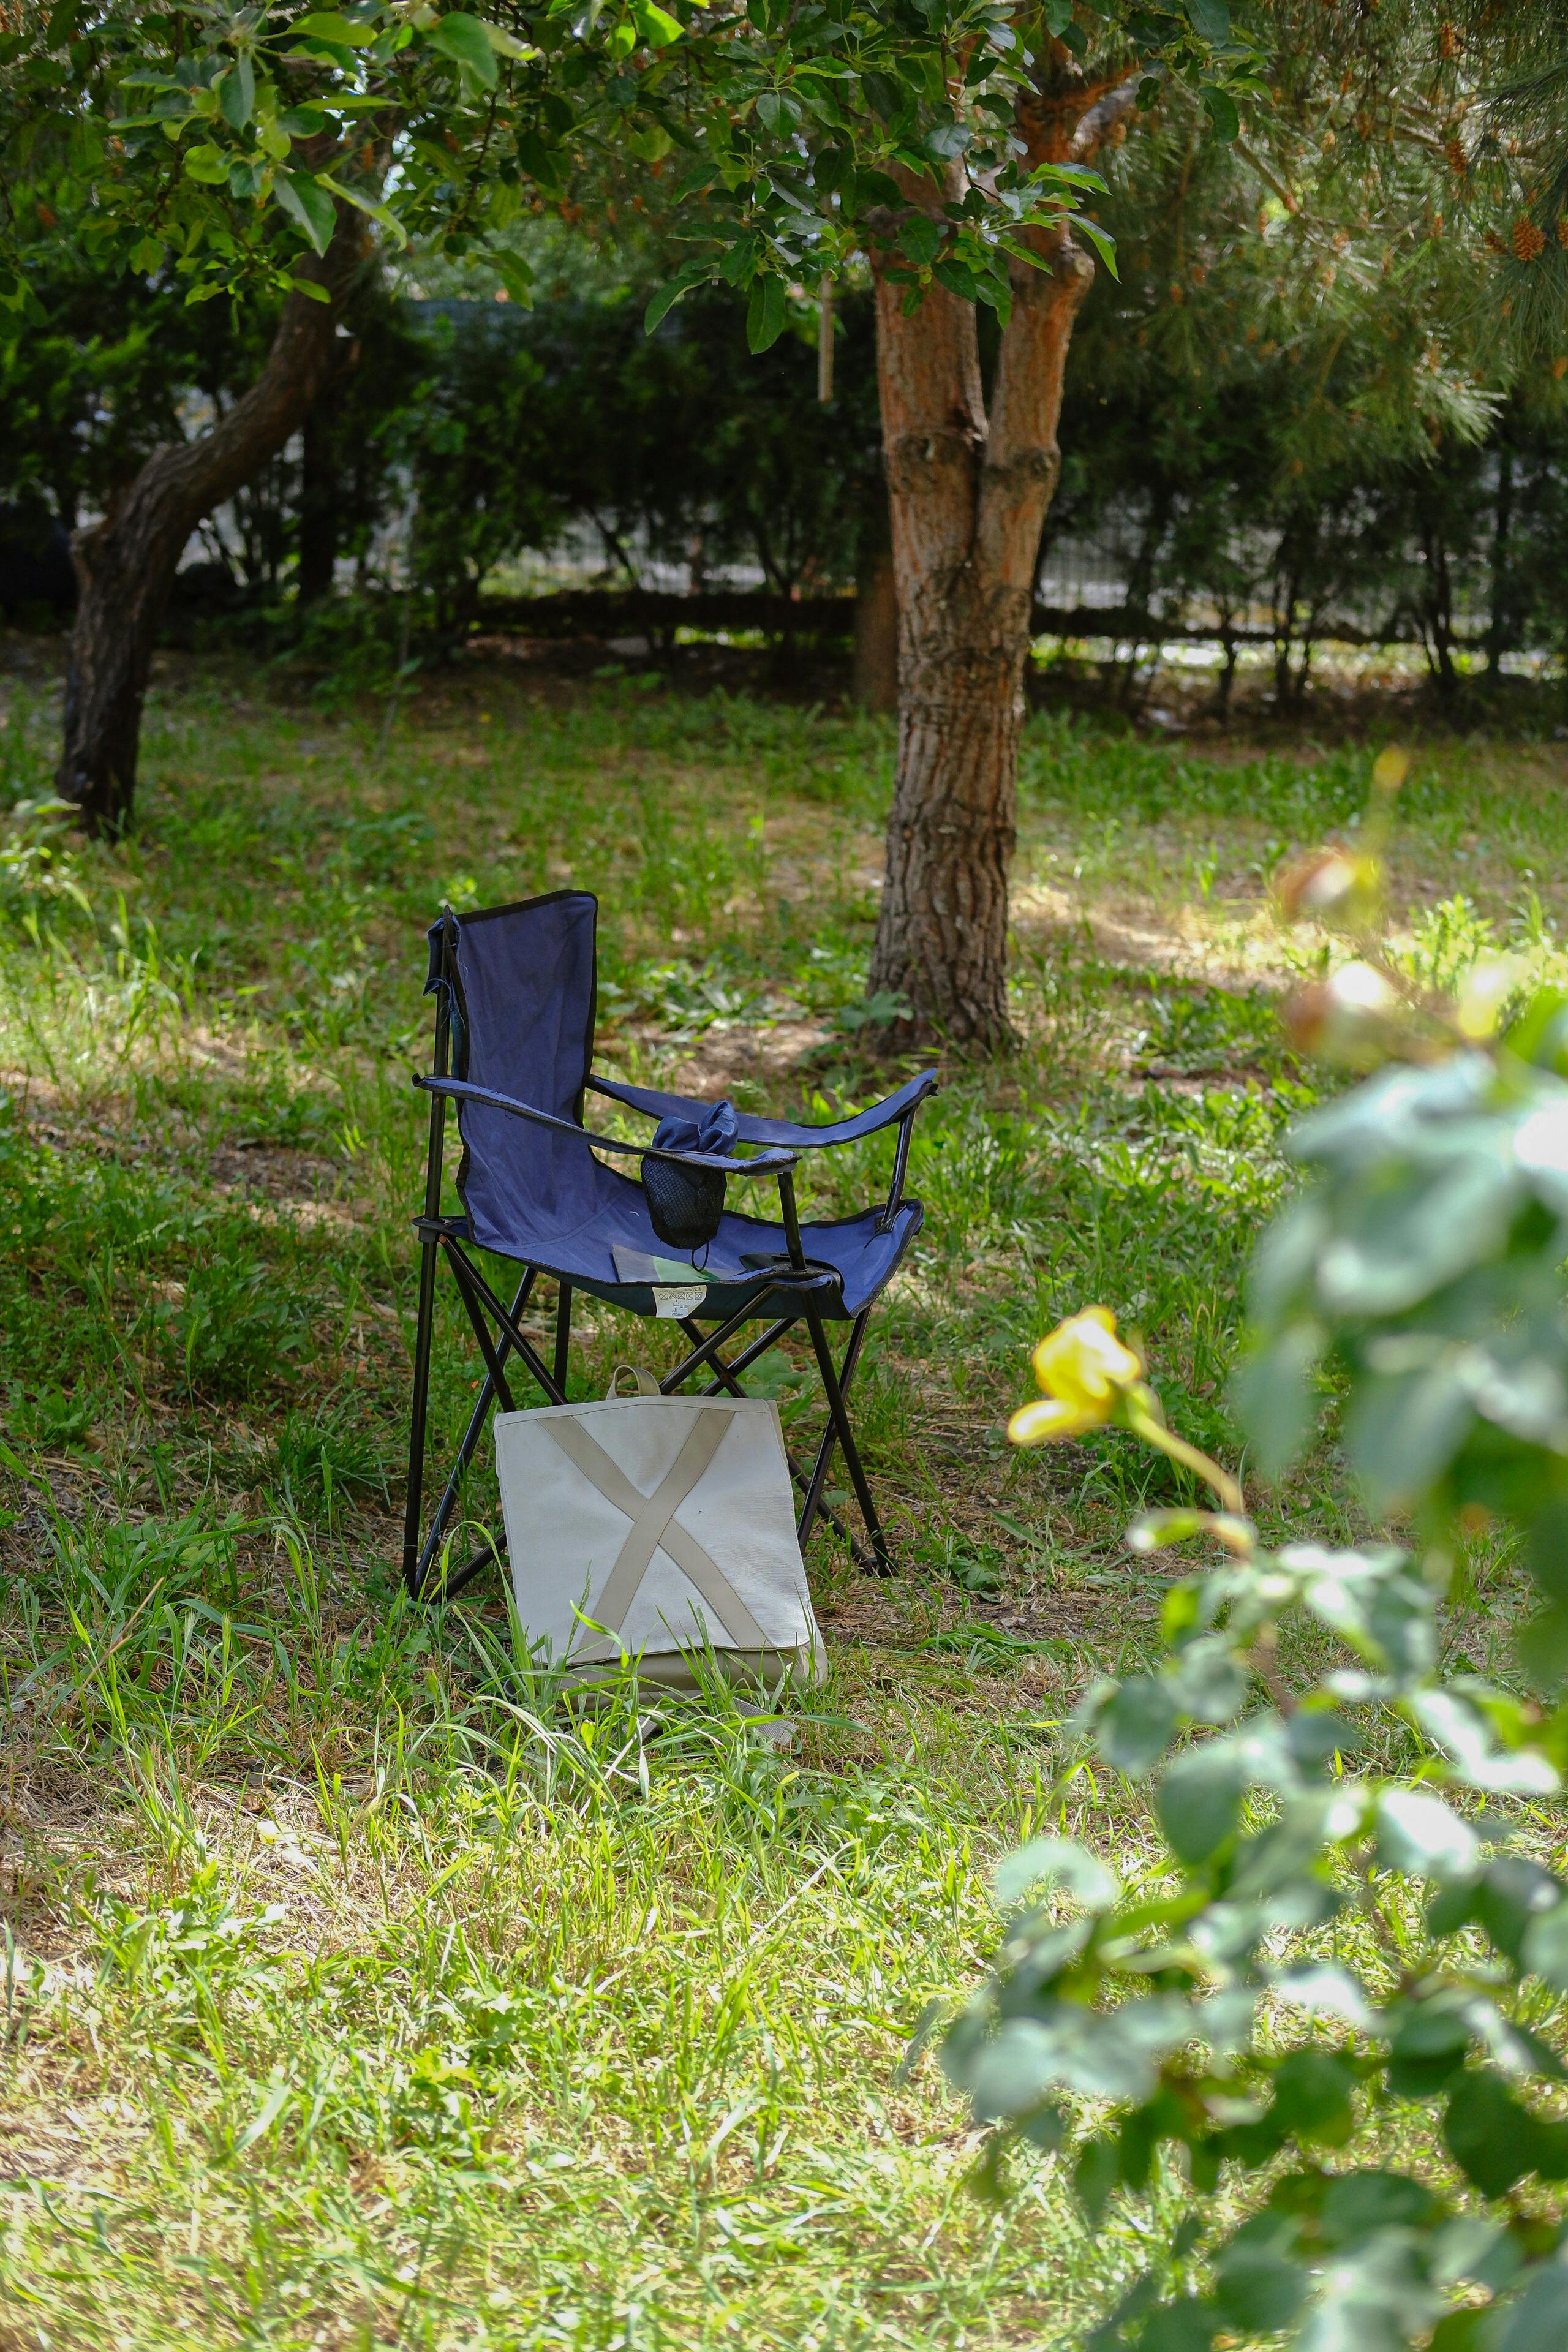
522, 1005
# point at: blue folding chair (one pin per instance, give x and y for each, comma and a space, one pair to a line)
515, 989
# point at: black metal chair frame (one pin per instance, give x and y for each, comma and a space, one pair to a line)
496, 1327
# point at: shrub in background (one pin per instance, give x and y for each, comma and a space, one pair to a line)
1352, 1935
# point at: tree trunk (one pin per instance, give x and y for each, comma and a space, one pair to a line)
126, 563
876, 685
1440, 610
1226, 679
1502, 523
317, 547
968, 494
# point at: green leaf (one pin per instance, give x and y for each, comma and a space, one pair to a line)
1274, 1397
545, 165
1510, 1893
465, 40
1487, 2133
1210, 20
1102, 242
883, 95
656, 26
692, 273
1133, 1729
1222, 113
1095, 2174
1427, 2049
1538, 2322
515, 276
1045, 2128
1402, 1432
920, 237
1186, 2326
308, 205
1059, 17
237, 95
1199, 1800
377, 212
1207, 1682
957, 276
1543, 1951
1312, 2099
948, 140
650, 142
330, 24
1357, 2204
146, 256
765, 312
1324, 1990
1423, 1837
1546, 1549
1056, 1862
1541, 1644
1462, 1731
206, 164
1014, 2072
1259, 2291
504, 44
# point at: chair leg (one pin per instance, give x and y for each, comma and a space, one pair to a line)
494, 1363
425, 1326
418, 1414
725, 1377
465, 1454
838, 1427
417, 1557
477, 1290
562, 1335
813, 1487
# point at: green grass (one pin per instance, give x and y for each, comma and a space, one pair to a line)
354, 1994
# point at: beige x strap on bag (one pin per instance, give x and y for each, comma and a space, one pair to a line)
653, 1528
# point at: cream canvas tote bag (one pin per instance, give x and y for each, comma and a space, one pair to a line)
649, 1529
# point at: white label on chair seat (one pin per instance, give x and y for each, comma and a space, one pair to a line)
670, 1305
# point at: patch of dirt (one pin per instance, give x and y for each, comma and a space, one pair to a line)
730, 1051
294, 1179
1179, 947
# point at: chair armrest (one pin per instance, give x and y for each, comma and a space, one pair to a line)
788, 1134
462, 1090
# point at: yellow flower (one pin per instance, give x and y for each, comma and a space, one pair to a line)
1046, 1417
1390, 768
1083, 1362
1084, 1370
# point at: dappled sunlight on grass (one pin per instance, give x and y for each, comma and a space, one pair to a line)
356, 1992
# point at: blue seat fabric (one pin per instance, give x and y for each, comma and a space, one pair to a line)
522, 1023
786, 1131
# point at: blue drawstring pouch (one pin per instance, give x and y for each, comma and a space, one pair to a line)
685, 1204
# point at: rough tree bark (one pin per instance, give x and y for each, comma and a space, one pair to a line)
968, 493
876, 678
126, 563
